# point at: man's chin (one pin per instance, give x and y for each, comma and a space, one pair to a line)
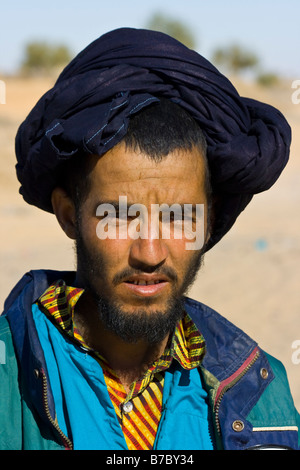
150, 322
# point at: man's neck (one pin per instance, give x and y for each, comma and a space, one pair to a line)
128, 360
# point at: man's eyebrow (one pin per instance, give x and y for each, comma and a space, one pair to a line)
116, 205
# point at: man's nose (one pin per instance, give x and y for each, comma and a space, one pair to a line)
148, 252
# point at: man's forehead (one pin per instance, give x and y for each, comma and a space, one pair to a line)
124, 165
175, 179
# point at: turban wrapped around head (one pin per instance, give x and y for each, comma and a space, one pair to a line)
89, 107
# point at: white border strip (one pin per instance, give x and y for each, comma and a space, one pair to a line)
276, 428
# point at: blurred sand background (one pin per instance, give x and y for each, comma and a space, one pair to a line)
251, 277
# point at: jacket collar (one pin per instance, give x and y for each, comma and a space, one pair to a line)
228, 347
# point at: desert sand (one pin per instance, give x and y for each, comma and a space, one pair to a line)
251, 277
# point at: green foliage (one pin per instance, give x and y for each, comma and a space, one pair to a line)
41, 58
173, 28
235, 59
268, 79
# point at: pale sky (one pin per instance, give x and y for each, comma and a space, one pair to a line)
269, 28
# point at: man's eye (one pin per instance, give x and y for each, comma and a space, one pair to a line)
190, 219
120, 216
176, 221
109, 217
125, 218
170, 216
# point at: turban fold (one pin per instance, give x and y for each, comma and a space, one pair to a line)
120, 73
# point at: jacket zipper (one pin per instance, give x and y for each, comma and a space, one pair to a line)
66, 441
245, 368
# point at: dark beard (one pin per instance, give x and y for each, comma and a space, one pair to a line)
141, 325
151, 327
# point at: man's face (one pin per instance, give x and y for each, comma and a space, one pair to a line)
138, 281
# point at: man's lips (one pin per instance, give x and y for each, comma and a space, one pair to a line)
146, 284
146, 279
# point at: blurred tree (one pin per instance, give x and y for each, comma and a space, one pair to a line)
173, 28
41, 58
235, 58
268, 79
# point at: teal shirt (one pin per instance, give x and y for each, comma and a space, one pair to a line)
86, 414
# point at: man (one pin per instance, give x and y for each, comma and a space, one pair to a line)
146, 154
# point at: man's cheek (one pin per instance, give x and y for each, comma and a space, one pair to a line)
115, 253
88, 230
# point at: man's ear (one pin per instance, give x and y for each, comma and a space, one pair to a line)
64, 210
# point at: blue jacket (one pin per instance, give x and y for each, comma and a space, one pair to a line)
249, 395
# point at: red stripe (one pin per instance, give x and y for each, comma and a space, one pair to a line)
236, 374
115, 400
133, 440
154, 397
150, 413
139, 432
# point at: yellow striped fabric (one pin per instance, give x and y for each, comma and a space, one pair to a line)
138, 411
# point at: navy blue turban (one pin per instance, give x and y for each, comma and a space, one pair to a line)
89, 107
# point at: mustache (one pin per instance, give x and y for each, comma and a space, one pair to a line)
127, 272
